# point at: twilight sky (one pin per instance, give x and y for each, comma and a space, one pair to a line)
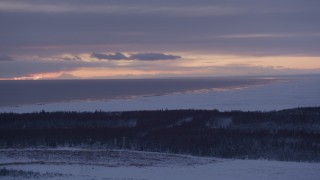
41, 39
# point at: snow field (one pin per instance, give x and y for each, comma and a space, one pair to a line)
153, 166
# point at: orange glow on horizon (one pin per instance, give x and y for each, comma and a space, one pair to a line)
285, 62
36, 76
189, 65
109, 73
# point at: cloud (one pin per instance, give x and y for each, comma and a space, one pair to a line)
6, 58
165, 9
153, 56
189, 8
268, 35
70, 58
138, 56
248, 27
115, 56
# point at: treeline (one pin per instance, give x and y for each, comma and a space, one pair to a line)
292, 134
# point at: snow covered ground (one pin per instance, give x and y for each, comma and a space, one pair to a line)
295, 92
116, 164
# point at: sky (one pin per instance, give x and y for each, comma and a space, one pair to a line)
98, 39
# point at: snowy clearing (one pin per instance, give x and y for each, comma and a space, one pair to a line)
70, 163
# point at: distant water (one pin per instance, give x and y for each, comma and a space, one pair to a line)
14, 93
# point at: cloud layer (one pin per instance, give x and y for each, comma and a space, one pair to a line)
115, 56
246, 27
138, 56
60, 36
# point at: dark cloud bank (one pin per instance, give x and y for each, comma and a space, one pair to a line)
215, 26
138, 56
115, 56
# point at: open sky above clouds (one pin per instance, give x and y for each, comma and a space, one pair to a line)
152, 38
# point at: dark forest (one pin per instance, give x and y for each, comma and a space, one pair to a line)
290, 135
